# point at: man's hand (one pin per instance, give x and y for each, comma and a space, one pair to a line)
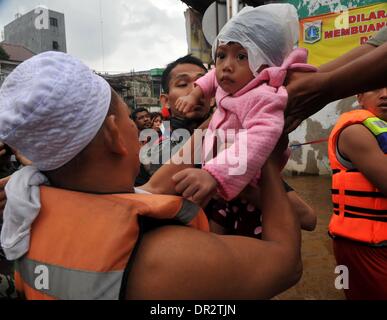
22, 159
307, 96
3, 198
186, 104
196, 185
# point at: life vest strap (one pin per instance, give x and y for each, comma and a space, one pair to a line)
361, 210
362, 194
360, 216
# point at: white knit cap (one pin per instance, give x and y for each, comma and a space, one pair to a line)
269, 33
51, 108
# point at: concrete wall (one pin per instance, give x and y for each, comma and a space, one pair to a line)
313, 159
22, 31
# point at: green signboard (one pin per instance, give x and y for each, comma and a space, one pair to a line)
157, 72
311, 8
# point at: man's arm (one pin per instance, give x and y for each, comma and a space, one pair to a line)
357, 144
161, 182
366, 73
181, 263
305, 213
359, 71
346, 58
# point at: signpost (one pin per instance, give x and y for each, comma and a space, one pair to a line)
332, 35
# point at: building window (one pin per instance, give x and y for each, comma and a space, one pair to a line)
54, 22
55, 45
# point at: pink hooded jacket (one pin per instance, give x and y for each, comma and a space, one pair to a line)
256, 113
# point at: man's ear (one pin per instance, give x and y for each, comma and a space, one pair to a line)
113, 137
164, 99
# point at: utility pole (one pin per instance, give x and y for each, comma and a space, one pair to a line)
102, 36
232, 8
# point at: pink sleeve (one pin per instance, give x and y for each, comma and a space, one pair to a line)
235, 167
208, 84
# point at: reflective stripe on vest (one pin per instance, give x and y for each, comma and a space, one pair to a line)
67, 284
379, 128
360, 209
188, 212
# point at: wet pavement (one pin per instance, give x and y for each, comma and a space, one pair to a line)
319, 275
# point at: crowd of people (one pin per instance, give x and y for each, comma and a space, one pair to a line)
175, 230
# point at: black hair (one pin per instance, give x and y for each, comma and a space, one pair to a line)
137, 111
188, 59
154, 115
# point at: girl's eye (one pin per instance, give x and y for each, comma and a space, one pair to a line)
242, 56
181, 85
220, 55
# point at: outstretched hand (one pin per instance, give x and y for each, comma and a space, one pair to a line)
195, 185
307, 96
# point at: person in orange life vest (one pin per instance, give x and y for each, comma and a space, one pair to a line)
357, 151
93, 174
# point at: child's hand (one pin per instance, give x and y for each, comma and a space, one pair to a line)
196, 185
186, 104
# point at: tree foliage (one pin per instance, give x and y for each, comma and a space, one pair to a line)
3, 54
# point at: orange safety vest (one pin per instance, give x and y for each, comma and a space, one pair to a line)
360, 209
82, 245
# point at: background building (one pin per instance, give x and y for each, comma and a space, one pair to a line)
138, 89
11, 56
38, 31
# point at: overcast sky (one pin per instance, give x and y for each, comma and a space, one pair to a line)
138, 34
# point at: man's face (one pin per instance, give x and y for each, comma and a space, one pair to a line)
143, 121
182, 79
232, 67
376, 102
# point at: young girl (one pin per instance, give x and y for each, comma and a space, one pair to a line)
253, 54
157, 120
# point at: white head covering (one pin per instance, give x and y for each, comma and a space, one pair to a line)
269, 33
51, 107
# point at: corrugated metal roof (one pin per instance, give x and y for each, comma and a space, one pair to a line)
202, 5
17, 53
